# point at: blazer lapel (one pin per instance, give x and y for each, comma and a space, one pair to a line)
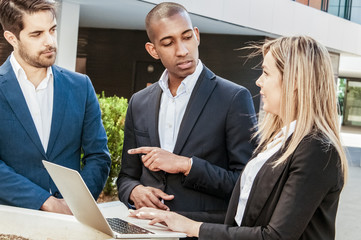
153, 113
13, 94
262, 187
233, 204
61, 92
200, 95
234, 200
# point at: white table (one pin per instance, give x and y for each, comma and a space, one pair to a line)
40, 225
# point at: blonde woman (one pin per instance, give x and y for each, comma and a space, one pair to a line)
291, 187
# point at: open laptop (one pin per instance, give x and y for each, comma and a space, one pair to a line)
86, 210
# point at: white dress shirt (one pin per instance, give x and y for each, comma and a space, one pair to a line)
172, 109
39, 100
252, 168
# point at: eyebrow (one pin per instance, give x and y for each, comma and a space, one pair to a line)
167, 37
39, 31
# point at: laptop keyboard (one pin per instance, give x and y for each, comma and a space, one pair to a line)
120, 226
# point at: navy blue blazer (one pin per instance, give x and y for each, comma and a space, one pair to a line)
215, 131
296, 200
76, 125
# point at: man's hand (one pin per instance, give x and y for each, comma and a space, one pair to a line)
156, 159
56, 205
149, 197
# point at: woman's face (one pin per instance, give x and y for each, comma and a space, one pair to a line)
270, 83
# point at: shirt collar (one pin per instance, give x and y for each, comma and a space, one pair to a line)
282, 136
291, 129
20, 73
187, 84
283, 133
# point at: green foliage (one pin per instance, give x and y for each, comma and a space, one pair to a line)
354, 93
113, 115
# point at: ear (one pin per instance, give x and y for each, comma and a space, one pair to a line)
151, 50
11, 38
196, 32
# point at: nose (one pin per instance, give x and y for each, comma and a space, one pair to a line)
258, 82
49, 39
182, 49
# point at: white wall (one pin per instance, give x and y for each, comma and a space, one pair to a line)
68, 24
350, 66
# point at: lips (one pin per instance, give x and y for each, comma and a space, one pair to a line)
48, 52
185, 64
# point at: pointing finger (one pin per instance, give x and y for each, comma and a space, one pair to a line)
143, 150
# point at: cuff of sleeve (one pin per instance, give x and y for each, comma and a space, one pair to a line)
191, 179
42, 200
190, 164
204, 232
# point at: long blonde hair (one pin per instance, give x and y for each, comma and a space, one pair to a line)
308, 95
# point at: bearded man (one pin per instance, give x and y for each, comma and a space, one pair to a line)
46, 112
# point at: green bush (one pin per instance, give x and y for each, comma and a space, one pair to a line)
113, 115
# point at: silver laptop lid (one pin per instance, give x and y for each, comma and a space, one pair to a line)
85, 209
78, 197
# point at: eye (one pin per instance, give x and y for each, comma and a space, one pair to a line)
35, 34
187, 37
167, 43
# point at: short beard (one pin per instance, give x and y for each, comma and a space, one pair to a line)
35, 61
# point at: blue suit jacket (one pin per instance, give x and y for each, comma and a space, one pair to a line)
215, 131
76, 124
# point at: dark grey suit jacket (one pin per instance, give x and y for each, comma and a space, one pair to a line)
296, 200
215, 132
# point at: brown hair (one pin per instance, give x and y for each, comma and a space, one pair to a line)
162, 10
12, 12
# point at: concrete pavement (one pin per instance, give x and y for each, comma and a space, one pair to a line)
348, 221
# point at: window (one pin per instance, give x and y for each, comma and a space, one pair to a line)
340, 8
353, 103
356, 11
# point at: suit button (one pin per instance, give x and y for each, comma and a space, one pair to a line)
56, 194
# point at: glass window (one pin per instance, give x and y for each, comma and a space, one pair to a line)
333, 7
353, 104
339, 8
356, 11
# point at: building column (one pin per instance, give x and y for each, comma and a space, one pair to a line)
68, 27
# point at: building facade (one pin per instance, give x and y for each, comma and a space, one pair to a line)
105, 39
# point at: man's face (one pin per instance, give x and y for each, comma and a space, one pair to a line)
175, 42
37, 44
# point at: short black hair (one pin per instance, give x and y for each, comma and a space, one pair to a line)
162, 10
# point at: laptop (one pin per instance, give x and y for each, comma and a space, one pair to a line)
85, 209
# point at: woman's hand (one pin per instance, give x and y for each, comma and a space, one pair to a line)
174, 221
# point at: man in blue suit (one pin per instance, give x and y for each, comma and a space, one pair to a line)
187, 137
46, 112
